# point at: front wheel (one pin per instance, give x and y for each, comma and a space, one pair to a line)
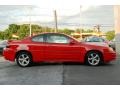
93, 58
24, 59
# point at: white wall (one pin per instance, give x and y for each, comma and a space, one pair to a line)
117, 27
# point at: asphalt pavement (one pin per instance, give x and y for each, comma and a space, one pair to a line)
59, 74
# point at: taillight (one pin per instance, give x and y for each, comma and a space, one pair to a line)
7, 47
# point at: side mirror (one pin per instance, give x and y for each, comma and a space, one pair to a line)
72, 42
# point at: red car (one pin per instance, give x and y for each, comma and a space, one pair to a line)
55, 47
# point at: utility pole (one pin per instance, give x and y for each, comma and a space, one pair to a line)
30, 31
55, 18
98, 28
80, 22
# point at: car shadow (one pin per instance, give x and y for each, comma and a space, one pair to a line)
72, 64
45, 64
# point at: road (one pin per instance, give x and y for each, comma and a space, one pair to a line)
57, 74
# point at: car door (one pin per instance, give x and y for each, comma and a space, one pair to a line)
58, 48
37, 47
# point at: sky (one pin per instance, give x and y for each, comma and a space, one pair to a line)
69, 16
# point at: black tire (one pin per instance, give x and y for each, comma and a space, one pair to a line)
92, 61
27, 61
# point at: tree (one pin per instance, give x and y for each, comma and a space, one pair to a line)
110, 35
66, 31
89, 31
36, 29
23, 31
13, 28
79, 30
7, 34
1, 35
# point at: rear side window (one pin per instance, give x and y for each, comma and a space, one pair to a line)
57, 38
38, 38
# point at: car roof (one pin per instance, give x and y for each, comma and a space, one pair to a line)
50, 33
55, 33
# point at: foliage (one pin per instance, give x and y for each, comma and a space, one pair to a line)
1, 35
66, 31
23, 31
13, 28
110, 35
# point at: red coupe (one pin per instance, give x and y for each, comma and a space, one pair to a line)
56, 47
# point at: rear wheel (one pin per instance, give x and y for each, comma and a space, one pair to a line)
24, 59
93, 58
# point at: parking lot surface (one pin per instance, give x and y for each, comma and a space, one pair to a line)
57, 74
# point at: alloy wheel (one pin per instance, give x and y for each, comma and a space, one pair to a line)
23, 59
93, 59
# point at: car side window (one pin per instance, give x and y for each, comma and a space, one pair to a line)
56, 38
38, 38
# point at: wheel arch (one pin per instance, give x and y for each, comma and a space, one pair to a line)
18, 52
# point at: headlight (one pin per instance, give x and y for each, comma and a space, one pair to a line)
111, 49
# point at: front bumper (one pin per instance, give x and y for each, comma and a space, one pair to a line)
109, 56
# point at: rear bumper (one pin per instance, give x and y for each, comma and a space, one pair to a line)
109, 57
9, 54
